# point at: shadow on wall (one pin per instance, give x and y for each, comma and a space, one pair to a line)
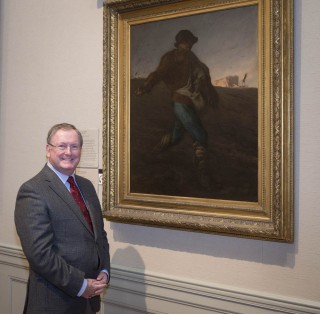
135, 259
265, 252
118, 292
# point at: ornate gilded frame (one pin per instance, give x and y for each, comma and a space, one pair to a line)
271, 217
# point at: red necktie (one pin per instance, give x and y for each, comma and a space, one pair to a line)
79, 200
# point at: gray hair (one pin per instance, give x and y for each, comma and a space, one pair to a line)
63, 126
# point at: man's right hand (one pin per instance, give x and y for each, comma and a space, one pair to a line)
94, 288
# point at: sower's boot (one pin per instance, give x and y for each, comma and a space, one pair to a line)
163, 144
201, 164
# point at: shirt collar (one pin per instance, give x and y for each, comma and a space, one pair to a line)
62, 177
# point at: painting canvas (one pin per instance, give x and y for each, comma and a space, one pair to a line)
227, 44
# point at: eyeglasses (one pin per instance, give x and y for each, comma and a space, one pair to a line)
63, 147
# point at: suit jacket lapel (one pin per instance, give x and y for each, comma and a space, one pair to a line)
60, 189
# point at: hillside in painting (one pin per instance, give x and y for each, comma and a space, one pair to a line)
232, 147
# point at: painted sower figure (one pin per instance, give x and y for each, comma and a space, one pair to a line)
189, 82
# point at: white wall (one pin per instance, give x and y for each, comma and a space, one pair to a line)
51, 71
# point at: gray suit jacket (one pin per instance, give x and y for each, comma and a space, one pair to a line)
58, 243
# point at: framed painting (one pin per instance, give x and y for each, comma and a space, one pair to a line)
198, 116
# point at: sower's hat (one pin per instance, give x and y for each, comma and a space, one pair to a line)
185, 36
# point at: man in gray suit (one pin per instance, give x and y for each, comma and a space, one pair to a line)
68, 253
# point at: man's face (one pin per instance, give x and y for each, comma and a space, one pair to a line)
65, 151
186, 45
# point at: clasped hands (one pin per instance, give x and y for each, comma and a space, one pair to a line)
96, 286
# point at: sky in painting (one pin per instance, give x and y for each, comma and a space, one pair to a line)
227, 42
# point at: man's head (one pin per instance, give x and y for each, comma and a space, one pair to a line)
63, 150
185, 37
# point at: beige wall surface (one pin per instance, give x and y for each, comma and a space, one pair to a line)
51, 71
